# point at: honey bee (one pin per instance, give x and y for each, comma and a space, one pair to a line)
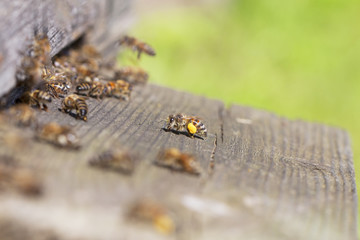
117, 160
61, 136
148, 211
137, 45
90, 51
30, 72
121, 89
97, 90
133, 75
87, 69
23, 115
22, 179
39, 99
76, 102
40, 49
59, 88
26, 182
83, 87
7, 166
181, 122
173, 159
109, 89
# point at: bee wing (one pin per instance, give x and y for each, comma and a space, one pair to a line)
46, 87
85, 97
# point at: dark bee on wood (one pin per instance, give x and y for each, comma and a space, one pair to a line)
137, 46
83, 88
39, 99
181, 122
76, 102
116, 160
173, 159
61, 136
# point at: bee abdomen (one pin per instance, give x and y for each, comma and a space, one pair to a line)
149, 50
83, 87
81, 104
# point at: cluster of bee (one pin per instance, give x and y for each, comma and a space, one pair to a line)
74, 75
22, 115
22, 179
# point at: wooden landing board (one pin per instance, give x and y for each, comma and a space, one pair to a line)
264, 177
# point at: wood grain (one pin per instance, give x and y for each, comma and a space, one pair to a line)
264, 176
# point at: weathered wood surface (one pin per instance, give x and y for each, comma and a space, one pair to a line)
62, 20
266, 177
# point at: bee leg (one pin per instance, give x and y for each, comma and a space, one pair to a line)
44, 107
139, 54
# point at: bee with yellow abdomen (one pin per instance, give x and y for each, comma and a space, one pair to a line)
76, 102
39, 99
192, 125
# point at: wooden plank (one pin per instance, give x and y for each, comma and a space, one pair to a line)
135, 125
291, 175
265, 176
62, 20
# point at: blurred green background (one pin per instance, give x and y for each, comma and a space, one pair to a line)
299, 58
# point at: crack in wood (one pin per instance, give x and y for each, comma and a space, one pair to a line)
212, 158
221, 119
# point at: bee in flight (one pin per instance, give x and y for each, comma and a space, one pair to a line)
180, 122
137, 45
173, 159
76, 102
